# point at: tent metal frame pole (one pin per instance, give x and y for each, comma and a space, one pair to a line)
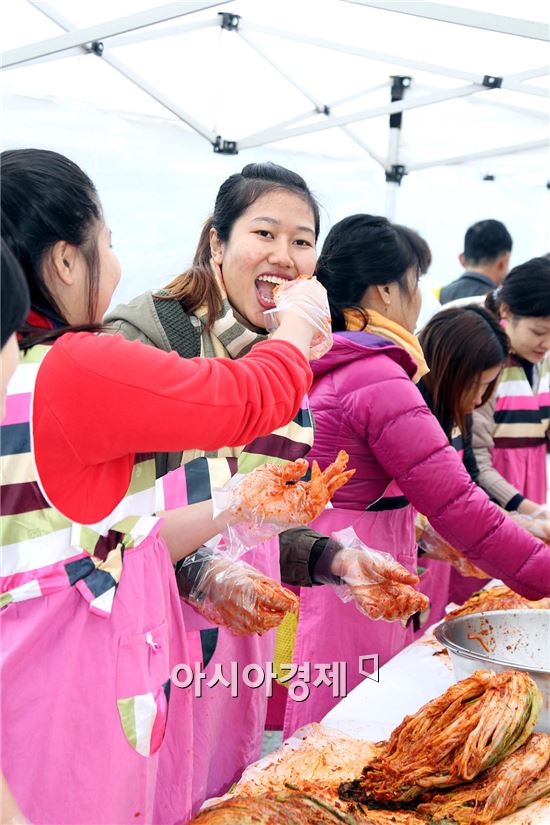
394, 169
362, 93
77, 51
499, 104
357, 51
161, 98
115, 41
274, 135
313, 112
514, 82
486, 153
529, 74
513, 86
509, 107
320, 108
130, 38
462, 17
364, 146
124, 30
392, 189
102, 31
48, 11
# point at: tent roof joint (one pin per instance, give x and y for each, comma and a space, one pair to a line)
229, 22
492, 82
396, 173
399, 84
225, 147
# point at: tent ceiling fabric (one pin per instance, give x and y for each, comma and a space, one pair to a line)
312, 75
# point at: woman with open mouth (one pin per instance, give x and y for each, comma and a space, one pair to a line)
262, 233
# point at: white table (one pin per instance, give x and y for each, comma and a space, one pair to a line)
373, 709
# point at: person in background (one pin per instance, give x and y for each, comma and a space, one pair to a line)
91, 621
466, 349
486, 259
365, 400
511, 430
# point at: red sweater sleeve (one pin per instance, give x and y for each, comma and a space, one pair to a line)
100, 399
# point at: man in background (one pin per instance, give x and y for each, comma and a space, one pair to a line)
486, 259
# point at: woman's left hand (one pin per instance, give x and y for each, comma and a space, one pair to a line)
379, 585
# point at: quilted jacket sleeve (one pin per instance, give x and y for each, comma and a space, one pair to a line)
407, 441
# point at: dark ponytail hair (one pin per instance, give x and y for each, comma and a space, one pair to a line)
459, 344
367, 250
525, 291
47, 198
14, 294
196, 286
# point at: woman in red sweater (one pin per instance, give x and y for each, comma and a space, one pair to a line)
91, 625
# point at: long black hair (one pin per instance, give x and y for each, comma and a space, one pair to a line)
459, 344
367, 250
14, 294
47, 198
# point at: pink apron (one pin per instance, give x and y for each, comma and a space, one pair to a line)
331, 631
521, 429
524, 468
87, 697
446, 584
228, 729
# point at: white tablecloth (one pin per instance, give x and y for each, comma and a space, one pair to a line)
373, 709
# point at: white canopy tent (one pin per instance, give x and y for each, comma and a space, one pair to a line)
443, 105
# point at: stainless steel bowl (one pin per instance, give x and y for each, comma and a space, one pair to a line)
502, 640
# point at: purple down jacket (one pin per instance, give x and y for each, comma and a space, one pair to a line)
365, 403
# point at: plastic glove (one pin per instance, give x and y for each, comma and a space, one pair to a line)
543, 513
435, 547
306, 297
233, 594
538, 524
274, 497
379, 585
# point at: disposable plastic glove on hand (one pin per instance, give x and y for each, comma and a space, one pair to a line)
380, 587
306, 297
235, 595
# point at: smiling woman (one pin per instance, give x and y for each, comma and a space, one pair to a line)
262, 232
271, 242
510, 432
265, 223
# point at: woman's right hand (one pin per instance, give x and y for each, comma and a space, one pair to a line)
304, 316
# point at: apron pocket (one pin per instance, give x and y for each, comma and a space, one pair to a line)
143, 688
